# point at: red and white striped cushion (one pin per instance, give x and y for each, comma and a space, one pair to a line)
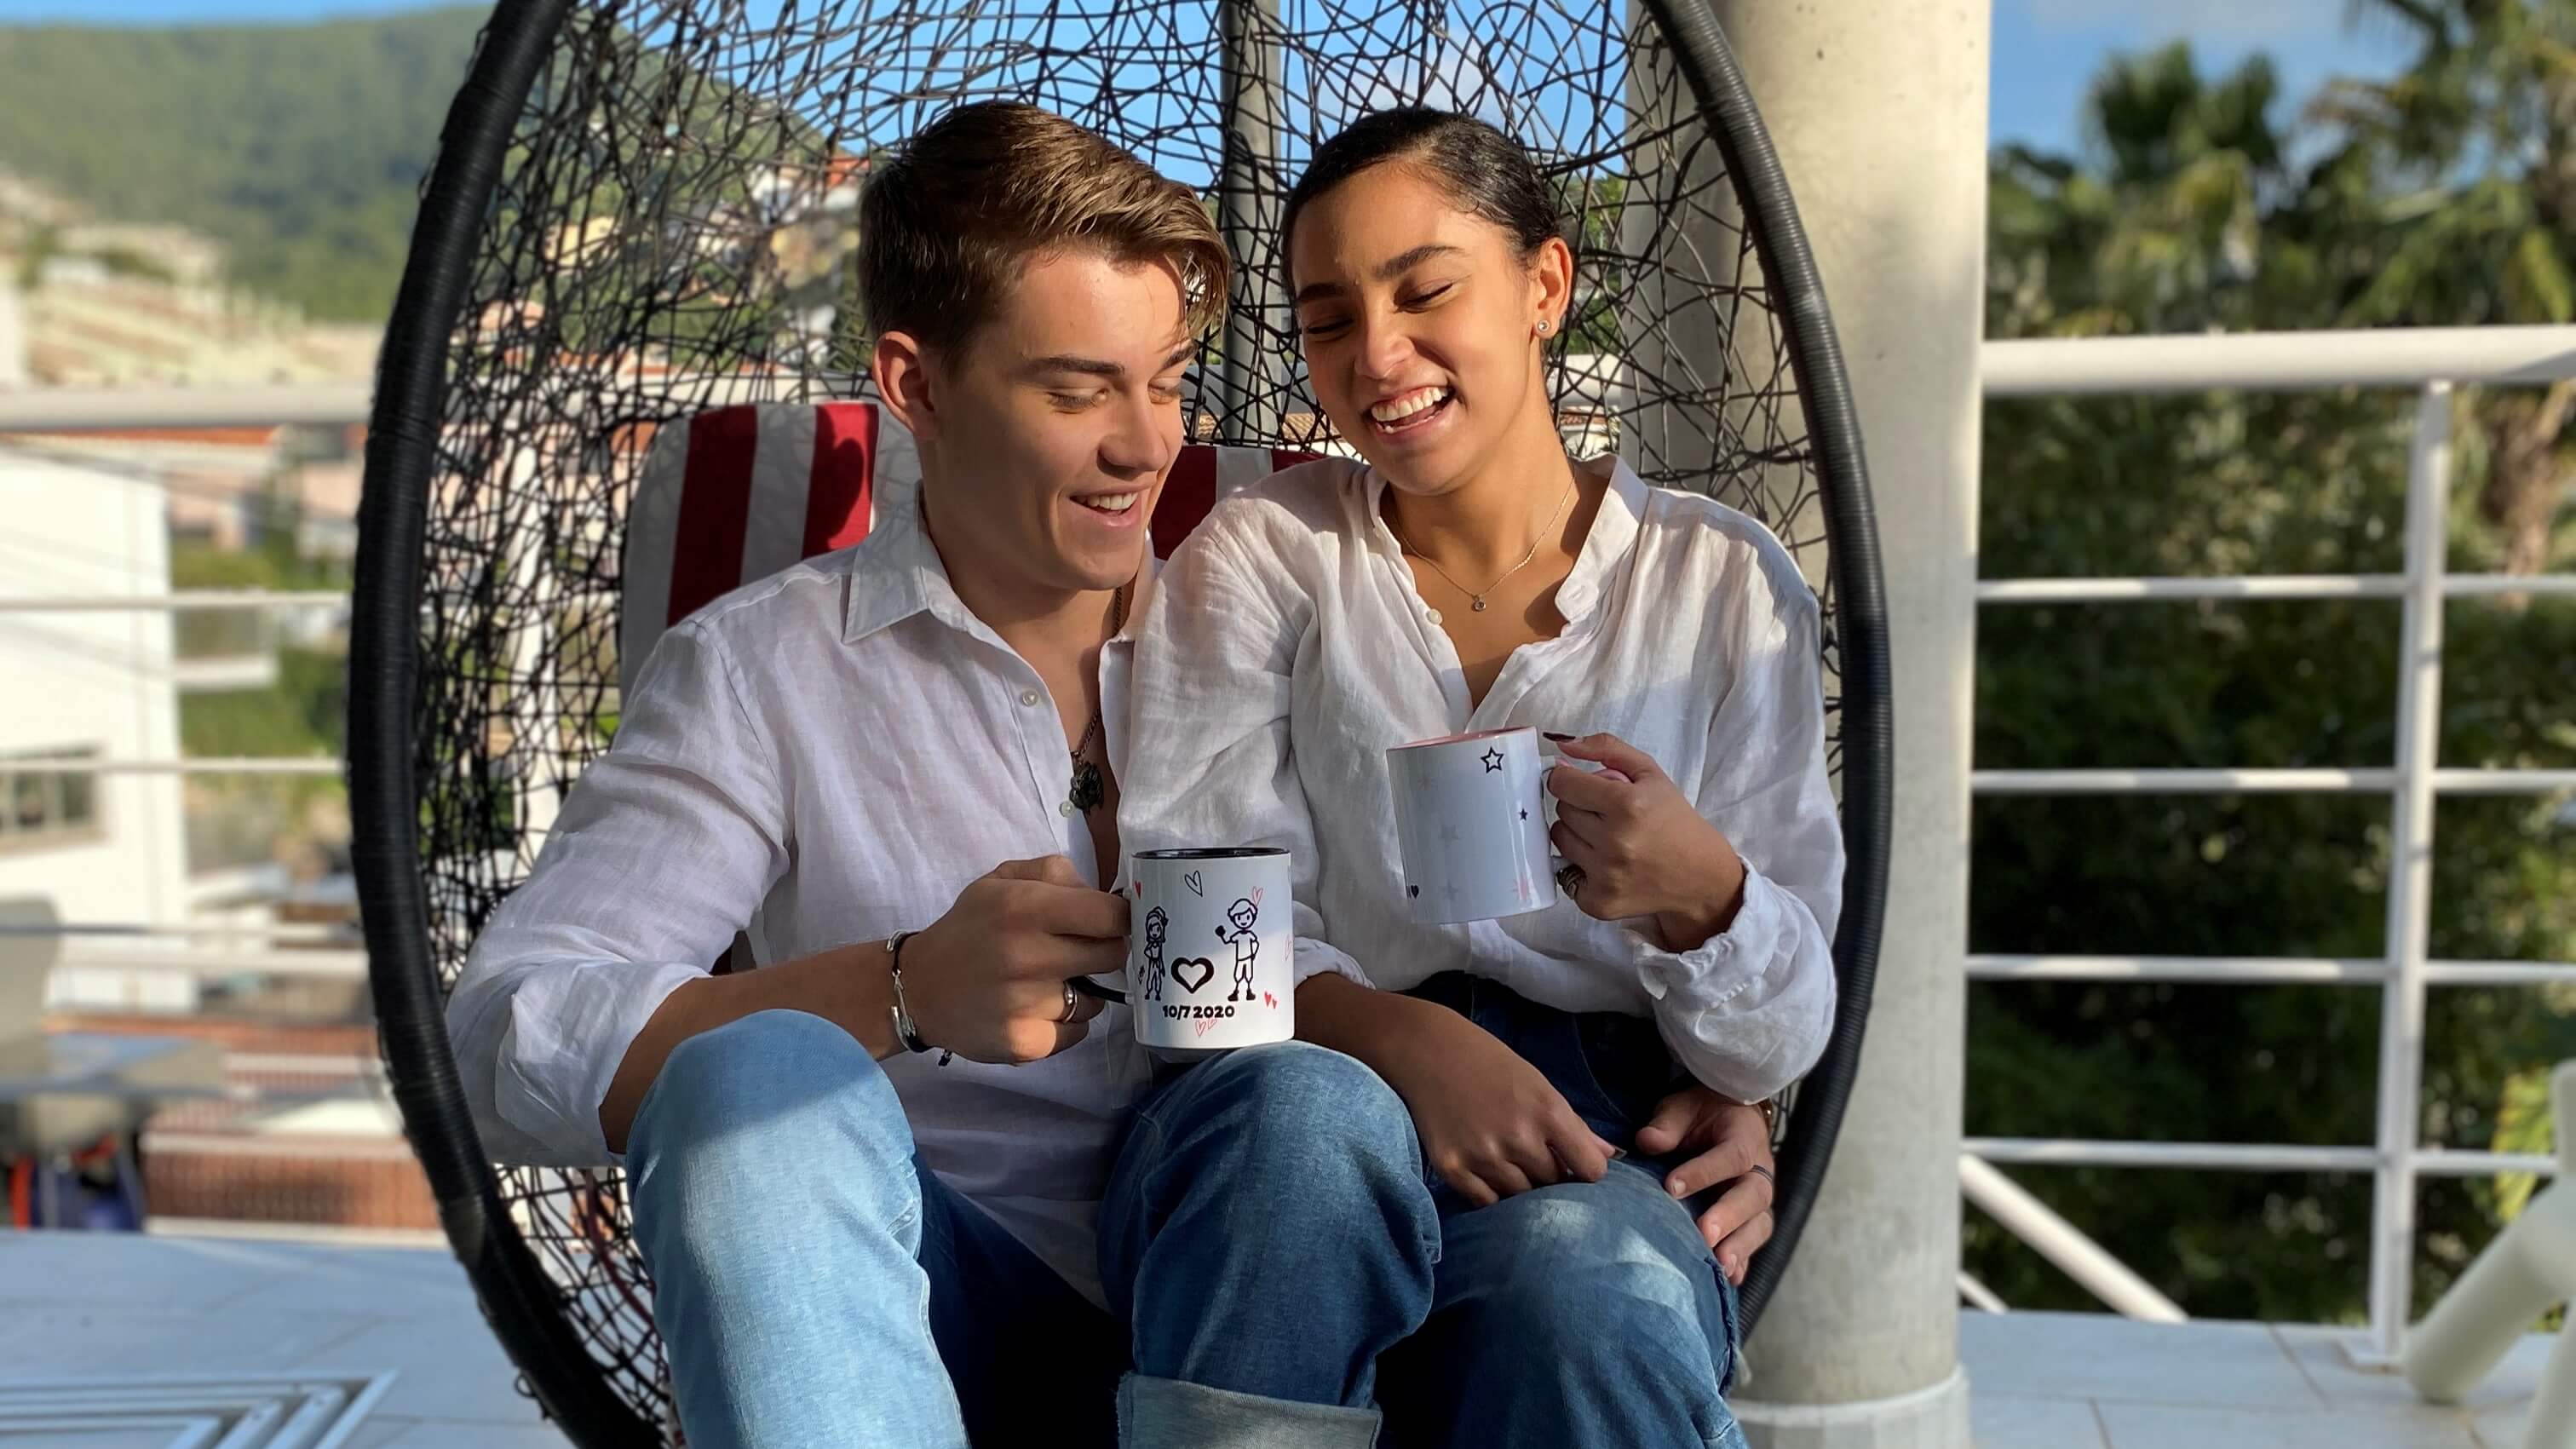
737, 493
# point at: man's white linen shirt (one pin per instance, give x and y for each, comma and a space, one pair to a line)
826, 756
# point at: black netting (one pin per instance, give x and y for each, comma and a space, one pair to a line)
673, 228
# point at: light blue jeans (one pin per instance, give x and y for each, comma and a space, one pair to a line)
1584, 1314
1283, 1264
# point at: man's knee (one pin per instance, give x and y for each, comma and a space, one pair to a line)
1294, 1109
766, 1107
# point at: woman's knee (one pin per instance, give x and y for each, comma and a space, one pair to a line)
1589, 1276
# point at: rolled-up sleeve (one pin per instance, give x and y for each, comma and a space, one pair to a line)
1747, 1011
664, 849
1209, 698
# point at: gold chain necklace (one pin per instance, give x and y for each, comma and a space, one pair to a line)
1476, 597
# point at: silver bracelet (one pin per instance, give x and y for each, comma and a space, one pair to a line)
906, 1031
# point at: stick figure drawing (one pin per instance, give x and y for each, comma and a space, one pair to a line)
1247, 947
1157, 926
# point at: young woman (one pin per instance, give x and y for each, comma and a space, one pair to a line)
1469, 575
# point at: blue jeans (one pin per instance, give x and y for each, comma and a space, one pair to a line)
1584, 1314
1268, 1234
815, 1286
1588, 1315
1284, 1263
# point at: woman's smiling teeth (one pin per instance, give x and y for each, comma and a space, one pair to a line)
1109, 502
1407, 410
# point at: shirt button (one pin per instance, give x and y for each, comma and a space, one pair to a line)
1432, 614
1029, 697
1064, 808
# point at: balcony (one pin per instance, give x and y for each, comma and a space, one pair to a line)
200, 1297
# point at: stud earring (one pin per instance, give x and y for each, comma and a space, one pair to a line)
1545, 327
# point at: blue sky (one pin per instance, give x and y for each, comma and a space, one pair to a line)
2045, 51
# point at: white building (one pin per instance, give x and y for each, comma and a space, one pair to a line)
98, 683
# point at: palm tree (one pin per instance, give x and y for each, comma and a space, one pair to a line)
2163, 228
2473, 152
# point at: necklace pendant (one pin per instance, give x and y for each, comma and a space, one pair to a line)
1087, 791
1479, 603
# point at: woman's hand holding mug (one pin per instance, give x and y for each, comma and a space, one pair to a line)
1642, 848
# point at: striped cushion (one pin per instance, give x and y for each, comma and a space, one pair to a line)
735, 494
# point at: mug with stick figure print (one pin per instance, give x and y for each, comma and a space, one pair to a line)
1211, 950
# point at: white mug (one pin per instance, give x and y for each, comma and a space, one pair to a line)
1211, 950
1472, 814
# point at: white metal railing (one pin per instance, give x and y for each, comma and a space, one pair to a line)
178, 600
2267, 782
193, 765
96, 409
2059, 1241
2264, 970
2387, 357
2431, 362
2272, 586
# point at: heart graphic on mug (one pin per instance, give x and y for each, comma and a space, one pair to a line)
1196, 882
1181, 972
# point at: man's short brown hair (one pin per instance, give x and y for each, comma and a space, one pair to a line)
957, 215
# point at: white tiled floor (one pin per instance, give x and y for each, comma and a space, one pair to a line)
76, 1303
2050, 1381
102, 1303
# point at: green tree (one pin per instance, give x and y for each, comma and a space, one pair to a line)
2469, 155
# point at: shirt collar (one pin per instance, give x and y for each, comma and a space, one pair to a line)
893, 572
1614, 531
898, 573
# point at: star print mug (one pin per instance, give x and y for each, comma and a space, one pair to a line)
1472, 813
1211, 950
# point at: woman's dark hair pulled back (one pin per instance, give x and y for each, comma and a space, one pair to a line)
1486, 173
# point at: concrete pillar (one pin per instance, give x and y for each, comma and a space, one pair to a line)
1878, 110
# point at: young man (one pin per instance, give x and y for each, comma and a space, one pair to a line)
869, 1178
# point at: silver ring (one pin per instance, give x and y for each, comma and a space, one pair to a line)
1570, 879
1072, 1004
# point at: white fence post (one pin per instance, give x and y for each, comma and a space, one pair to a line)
2410, 872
